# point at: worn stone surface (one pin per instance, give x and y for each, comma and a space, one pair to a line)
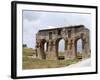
70, 35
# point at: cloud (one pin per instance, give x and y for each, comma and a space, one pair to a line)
30, 15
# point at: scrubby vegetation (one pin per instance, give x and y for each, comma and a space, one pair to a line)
29, 62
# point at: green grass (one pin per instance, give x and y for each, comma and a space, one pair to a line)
61, 53
30, 63
28, 51
35, 63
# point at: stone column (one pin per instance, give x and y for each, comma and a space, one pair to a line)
66, 47
70, 50
86, 48
40, 50
73, 50
52, 52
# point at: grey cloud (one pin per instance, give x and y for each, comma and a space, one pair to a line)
31, 15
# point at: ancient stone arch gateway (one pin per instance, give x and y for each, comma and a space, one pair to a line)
70, 35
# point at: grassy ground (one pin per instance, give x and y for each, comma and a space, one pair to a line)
61, 53
28, 51
31, 63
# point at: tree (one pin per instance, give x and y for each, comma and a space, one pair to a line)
24, 45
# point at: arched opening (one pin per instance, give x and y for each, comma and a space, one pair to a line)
61, 49
45, 47
79, 48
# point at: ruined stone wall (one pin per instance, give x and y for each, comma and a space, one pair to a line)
70, 35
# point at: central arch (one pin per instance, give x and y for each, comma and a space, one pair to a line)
61, 49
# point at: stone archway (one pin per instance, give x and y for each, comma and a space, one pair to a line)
79, 48
60, 48
69, 34
46, 47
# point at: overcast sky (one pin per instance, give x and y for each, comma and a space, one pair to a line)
33, 21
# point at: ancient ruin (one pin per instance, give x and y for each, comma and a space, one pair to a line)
70, 35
